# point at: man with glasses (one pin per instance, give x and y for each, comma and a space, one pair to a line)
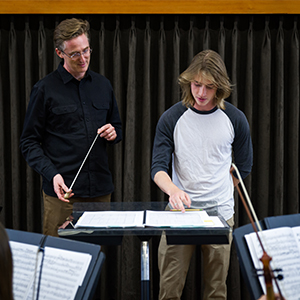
67, 109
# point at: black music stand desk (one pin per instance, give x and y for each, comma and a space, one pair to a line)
247, 268
88, 287
113, 236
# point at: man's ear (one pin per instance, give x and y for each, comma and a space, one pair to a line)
59, 53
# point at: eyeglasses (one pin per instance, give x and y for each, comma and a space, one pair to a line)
85, 52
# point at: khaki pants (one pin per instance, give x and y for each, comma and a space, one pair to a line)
174, 261
56, 211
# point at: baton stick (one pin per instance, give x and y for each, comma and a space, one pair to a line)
67, 195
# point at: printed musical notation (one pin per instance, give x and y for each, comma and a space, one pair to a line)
105, 219
122, 219
177, 219
283, 245
63, 271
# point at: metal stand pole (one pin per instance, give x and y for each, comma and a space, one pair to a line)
145, 272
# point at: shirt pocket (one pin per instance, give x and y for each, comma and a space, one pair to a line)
100, 113
65, 118
64, 109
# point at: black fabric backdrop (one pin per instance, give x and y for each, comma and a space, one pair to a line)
143, 56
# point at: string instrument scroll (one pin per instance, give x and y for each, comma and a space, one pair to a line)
265, 259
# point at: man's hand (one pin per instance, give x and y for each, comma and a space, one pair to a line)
177, 197
108, 132
60, 188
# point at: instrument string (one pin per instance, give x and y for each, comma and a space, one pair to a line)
269, 275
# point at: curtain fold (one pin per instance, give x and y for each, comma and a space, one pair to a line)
102, 56
176, 63
160, 86
130, 263
206, 37
277, 191
263, 129
28, 173
143, 56
222, 39
234, 66
56, 59
117, 82
42, 50
146, 98
161, 76
245, 96
14, 68
190, 43
292, 131
3, 169
129, 124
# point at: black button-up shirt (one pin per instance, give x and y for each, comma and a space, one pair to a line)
60, 125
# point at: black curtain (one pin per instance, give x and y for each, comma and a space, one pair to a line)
142, 56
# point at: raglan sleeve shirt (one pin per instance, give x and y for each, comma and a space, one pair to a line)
200, 146
242, 144
163, 146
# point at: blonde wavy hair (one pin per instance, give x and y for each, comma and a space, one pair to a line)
207, 65
69, 29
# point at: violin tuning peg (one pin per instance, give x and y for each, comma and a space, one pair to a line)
279, 277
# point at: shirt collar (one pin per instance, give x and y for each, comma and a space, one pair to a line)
204, 112
66, 76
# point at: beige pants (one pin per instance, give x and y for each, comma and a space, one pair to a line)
56, 211
174, 261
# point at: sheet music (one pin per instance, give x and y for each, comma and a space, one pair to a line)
216, 221
115, 219
63, 271
24, 260
282, 245
296, 230
178, 219
104, 219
